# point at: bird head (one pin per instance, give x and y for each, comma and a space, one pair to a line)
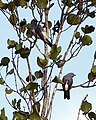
34, 22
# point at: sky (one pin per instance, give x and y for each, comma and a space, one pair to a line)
81, 65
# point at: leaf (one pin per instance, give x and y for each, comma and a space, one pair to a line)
67, 2
94, 70
10, 72
73, 19
23, 89
39, 74
23, 22
20, 115
2, 81
1, 4
49, 24
11, 43
23, 3
57, 80
16, 2
92, 14
29, 33
55, 52
8, 91
3, 117
35, 116
5, 61
86, 40
18, 104
42, 62
42, 4
24, 52
88, 29
18, 48
91, 76
86, 106
14, 103
13, 19
11, 6
77, 35
92, 116
31, 86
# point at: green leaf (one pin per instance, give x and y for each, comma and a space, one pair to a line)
42, 3
24, 52
23, 89
35, 116
11, 43
57, 80
18, 48
86, 40
2, 81
39, 74
73, 19
42, 62
1, 4
94, 70
92, 116
67, 2
29, 33
86, 106
23, 22
11, 6
55, 52
20, 115
77, 35
92, 14
32, 86
10, 72
19, 104
88, 29
49, 24
3, 117
5, 61
14, 103
91, 76
94, 3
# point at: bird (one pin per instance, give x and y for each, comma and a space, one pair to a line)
38, 31
67, 84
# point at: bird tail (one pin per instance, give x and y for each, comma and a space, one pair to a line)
67, 94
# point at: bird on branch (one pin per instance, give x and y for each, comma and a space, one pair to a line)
67, 84
38, 31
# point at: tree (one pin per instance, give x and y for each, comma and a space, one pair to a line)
35, 90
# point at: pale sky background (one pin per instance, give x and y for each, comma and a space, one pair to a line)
81, 65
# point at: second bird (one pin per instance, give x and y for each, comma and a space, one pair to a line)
38, 31
67, 84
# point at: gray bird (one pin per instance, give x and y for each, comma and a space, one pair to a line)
68, 81
38, 31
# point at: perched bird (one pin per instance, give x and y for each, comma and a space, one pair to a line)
38, 31
68, 81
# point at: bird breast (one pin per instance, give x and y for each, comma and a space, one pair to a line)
66, 86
